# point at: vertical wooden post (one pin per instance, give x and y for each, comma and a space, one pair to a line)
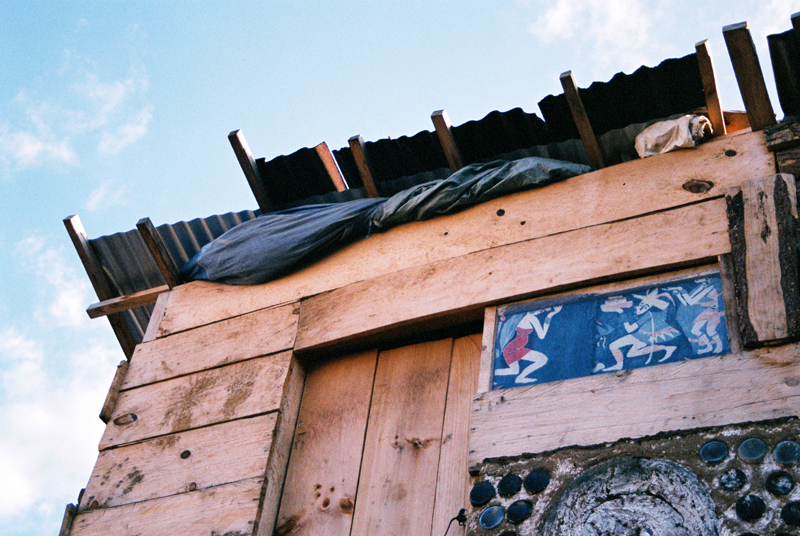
362, 163
98, 279
749, 77
68, 520
113, 392
441, 123
581, 119
331, 167
763, 228
710, 87
159, 252
248, 165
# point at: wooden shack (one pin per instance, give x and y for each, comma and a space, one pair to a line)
355, 396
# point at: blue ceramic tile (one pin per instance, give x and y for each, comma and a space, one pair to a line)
550, 340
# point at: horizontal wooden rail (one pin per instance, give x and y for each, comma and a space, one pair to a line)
128, 301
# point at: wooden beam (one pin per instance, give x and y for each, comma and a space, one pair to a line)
128, 301
68, 520
362, 163
331, 167
113, 392
709, 77
487, 349
763, 233
784, 135
98, 279
796, 21
155, 317
248, 164
747, 68
712, 391
162, 258
581, 119
788, 161
441, 122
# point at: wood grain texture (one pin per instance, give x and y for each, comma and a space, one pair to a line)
113, 391
666, 240
331, 167
322, 477
228, 510
248, 165
128, 301
441, 123
581, 119
214, 455
749, 77
235, 391
487, 349
159, 252
782, 136
622, 191
452, 484
236, 339
155, 317
711, 391
788, 161
709, 77
359, 151
404, 434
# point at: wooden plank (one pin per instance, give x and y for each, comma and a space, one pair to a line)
709, 78
763, 233
581, 119
362, 163
155, 317
331, 167
782, 136
166, 266
235, 391
487, 349
667, 240
404, 434
736, 122
441, 122
281, 448
128, 301
749, 77
236, 339
113, 392
729, 298
711, 391
68, 520
322, 478
788, 161
98, 279
180, 463
452, 484
230, 510
248, 165
624, 191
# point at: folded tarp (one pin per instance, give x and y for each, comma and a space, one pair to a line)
267, 247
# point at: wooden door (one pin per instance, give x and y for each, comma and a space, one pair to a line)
381, 442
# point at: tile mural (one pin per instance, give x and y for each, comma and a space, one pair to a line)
580, 335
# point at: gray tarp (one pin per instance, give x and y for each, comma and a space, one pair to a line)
271, 245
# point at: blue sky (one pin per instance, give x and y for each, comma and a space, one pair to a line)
121, 110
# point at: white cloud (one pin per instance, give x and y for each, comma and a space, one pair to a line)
106, 195
112, 143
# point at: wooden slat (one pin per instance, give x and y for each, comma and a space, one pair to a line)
68, 520
749, 77
763, 233
788, 161
487, 349
322, 478
581, 119
452, 484
281, 448
166, 266
782, 136
155, 317
711, 391
404, 434
331, 167
709, 77
179, 463
232, 392
128, 301
98, 279
729, 298
362, 163
236, 339
672, 239
248, 165
441, 122
626, 190
113, 392
230, 509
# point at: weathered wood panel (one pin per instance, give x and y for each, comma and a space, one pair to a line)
225, 510
236, 339
665, 240
452, 485
622, 191
714, 391
404, 434
179, 463
235, 391
322, 477
113, 391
